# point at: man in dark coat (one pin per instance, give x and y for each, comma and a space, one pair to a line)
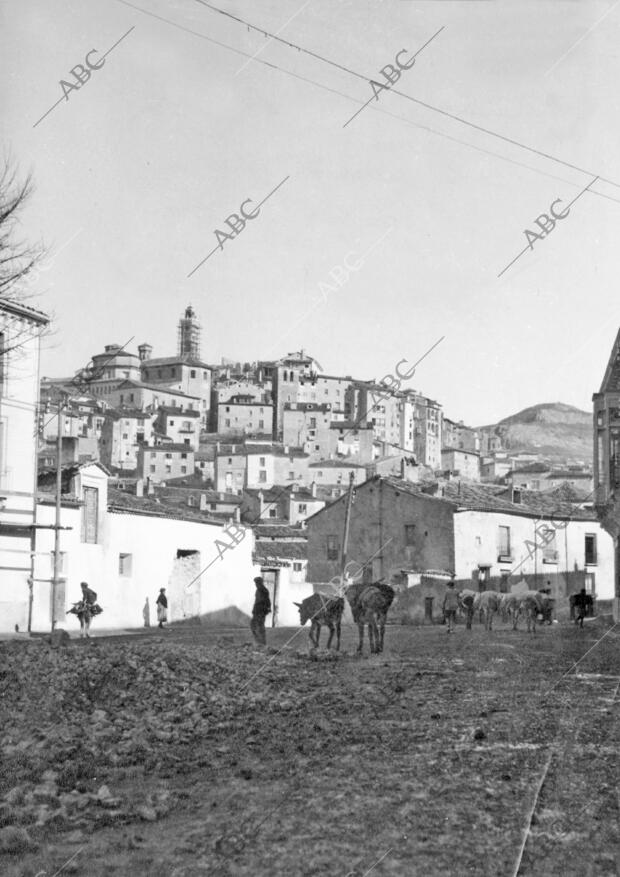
583, 604
262, 608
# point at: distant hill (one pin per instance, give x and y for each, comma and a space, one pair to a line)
553, 429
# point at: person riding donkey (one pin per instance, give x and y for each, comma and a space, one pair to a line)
86, 609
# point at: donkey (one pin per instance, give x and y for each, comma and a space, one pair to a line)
487, 603
530, 604
322, 610
369, 605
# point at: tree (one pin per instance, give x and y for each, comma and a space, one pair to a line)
17, 258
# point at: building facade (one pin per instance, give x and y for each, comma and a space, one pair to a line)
20, 334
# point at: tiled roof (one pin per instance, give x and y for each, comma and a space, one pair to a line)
170, 446
270, 494
184, 359
336, 464
159, 388
279, 531
566, 474
170, 409
285, 550
478, 497
121, 502
348, 424
531, 467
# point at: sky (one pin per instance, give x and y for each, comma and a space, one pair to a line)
192, 113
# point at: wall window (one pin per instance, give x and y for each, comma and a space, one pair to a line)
409, 534
227, 423
168, 470
89, 514
151, 469
192, 373
273, 513
172, 423
184, 456
261, 424
168, 456
125, 436
183, 470
291, 476
590, 549
503, 541
333, 551
549, 552
297, 566
261, 461
262, 475
302, 508
124, 565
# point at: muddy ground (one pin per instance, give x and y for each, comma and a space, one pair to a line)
188, 752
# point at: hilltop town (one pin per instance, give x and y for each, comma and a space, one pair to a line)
176, 472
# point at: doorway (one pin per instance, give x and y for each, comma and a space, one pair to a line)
271, 579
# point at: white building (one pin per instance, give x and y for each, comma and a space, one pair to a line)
508, 546
20, 330
126, 555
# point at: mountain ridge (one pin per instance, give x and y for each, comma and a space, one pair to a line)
551, 429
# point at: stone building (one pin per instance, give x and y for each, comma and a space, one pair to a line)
607, 458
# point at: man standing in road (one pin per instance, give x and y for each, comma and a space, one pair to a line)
262, 608
450, 605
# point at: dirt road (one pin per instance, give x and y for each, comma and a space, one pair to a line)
190, 753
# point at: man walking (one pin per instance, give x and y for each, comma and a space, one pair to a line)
582, 603
162, 607
262, 608
450, 605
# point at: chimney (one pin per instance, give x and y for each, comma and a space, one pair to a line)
313, 488
203, 502
140, 487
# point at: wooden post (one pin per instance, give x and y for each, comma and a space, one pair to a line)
55, 580
345, 540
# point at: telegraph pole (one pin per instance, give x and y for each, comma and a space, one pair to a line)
347, 521
56, 579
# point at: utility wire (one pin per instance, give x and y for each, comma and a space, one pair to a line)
422, 103
348, 97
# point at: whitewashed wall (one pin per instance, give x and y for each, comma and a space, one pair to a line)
153, 543
476, 543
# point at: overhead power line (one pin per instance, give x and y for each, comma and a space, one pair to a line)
375, 109
408, 97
